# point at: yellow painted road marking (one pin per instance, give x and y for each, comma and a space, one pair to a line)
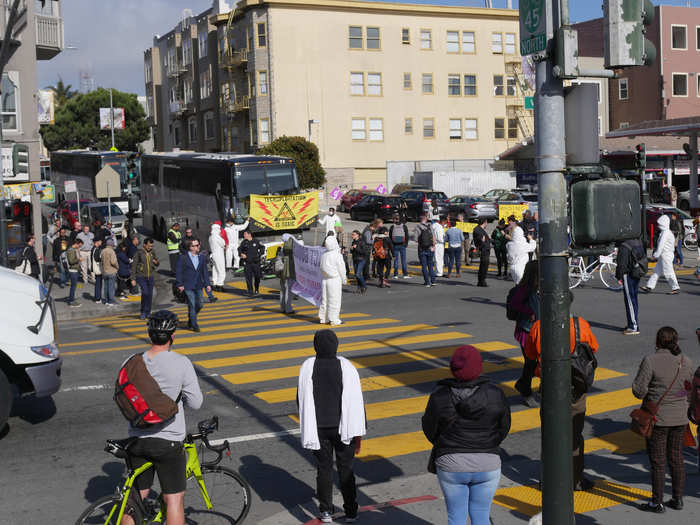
347, 347
176, 309
274, 341
527, 500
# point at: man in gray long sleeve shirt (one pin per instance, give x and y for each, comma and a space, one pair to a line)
87, 237
163, 444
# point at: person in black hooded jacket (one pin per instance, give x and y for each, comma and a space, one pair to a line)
466, 420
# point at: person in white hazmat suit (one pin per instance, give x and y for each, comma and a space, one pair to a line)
331, 221
665, 249
334, 277
517, 250
233, 231
217, 246
439, 236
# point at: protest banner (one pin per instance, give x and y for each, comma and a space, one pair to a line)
284, 212
506, 210
307, 267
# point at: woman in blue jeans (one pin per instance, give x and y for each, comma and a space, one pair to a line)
466, 420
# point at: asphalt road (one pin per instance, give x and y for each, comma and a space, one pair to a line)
248, 356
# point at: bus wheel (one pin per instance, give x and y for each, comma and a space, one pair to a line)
5, 399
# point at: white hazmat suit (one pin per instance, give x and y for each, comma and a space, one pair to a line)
217, 245
439, 236
330, 221
334, 277
517, 250
665, 249
233, 260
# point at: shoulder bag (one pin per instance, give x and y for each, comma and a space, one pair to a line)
644, 417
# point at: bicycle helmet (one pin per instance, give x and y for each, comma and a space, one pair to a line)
161, 326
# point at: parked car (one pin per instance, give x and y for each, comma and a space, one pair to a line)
513, 197
68, 211
376, 207
684, 200
99, 211
352, 197
419, 202
492, 195
398, 189
654, 211
473, 207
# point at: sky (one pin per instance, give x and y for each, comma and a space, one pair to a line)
108, 37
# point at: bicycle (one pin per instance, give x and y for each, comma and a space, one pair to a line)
214, 494
690, 241
606, 266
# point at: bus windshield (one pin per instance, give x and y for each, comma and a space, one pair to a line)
262, 180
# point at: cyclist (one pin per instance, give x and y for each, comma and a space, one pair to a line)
163, 444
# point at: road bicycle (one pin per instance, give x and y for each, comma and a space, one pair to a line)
606, 266
214, 494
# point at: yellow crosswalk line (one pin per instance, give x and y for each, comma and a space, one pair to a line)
392, 342
176, 309
272, 341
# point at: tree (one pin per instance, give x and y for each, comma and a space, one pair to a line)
305, 154
62, 92
77, 123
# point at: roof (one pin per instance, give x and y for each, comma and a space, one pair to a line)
226, 156
677, 126
91, 152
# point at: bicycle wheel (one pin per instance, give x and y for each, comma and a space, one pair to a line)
575, 274
607, 275
228, 492
690, 241
105, 511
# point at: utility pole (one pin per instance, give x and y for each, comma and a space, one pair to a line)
111, 115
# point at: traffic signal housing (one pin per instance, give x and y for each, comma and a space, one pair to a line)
640, 156
625, 25
20, 159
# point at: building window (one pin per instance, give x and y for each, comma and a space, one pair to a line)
510, 43
406, 36
511, 88
679, 37
498, 85
204, 84
469, 85
468, 42
186, 51
427, 83
374, 84
497, 43
408, 126
148, 72
698, 88
426, 39
264, 130
680, 84
407, 82
455, 129
471, 131
697, 38
428, 128
355, 33
453, 41
376, 129
262, 83
172, 92
499, 131
262, 35
187, 91
209, 126
171, 60
358, 129
149, 107
357, 84
512, 128
251, 83
453, 85
373, 39
624, 125
193, 130
202, 45
9, 92
176, 135
622, 89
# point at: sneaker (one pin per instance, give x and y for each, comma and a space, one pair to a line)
213, 299
675, 292
428, 285
325, 517
530, 401
645, 289
98, 301
406, 276
142, 317
584, 484
336, 324
432, 284
630, 331
75, 304
675, 504
657, 508
110, 304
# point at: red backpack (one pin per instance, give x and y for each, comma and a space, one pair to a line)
379, 250
139, 397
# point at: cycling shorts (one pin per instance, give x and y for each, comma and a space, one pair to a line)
169, 461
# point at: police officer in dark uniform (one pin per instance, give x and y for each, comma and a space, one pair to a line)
251, 252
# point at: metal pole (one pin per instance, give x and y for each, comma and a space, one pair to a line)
645, 201
3, 209
555, 412
111, 112
693, 143
109, 203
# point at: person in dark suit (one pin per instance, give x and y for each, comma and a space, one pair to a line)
191, 275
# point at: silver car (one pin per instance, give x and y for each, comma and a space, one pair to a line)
99, 210
473, 207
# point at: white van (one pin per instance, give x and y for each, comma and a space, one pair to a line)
29, 360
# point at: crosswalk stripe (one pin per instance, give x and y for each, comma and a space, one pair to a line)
272, 341
176, 309
411, 442
346, 347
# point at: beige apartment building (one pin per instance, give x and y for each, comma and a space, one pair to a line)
371, 82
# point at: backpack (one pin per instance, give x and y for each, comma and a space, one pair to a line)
511, 313
694, 409
640, 266
63, 259
425, 238
139, 397
583, 365
379, 250
72, 257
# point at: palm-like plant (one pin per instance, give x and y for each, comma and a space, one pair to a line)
62, 92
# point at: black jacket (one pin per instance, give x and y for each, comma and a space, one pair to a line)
482, 241
466, 416
60, 245
359, 249
253, 251
625, 262
30, 255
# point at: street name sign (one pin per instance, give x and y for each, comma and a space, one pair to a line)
533, 27
70, 186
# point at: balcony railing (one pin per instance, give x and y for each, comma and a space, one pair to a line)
234, 58
49, 36
231, 105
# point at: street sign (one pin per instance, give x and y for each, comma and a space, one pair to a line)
7, 172
107, 183
533, 27
70, 186
529, 102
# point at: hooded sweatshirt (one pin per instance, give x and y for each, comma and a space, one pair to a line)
519, 247
667, 243
216, 241
327, 379
332, 264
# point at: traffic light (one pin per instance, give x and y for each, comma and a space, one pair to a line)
21, 209
20, 159
131, 167
624, 31
640, 157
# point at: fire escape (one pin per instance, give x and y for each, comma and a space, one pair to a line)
517, 89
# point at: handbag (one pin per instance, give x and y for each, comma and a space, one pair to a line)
644, 417
24, 267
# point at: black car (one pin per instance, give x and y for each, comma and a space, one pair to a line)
376, 207
419, 202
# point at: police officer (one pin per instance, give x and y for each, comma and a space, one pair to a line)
251, 251
174, 237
